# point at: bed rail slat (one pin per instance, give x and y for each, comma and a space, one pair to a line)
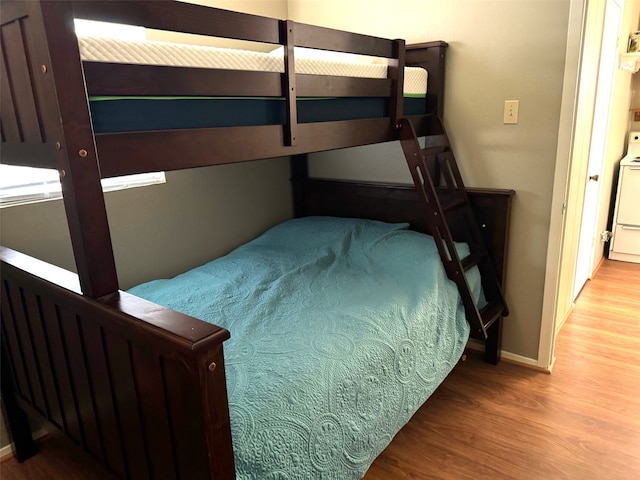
8, 115
148, 374
128, 412
125, 79
61, 372
80, 380
106, 409
36, 324
20, 83
189, 444
178, 17
26, 348
312, 36
13, 345
137, 152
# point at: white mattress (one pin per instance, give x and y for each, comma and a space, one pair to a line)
98, 49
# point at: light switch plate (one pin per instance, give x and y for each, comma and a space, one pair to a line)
511, 108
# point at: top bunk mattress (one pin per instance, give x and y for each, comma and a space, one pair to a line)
112, 114
340, 330
308, 61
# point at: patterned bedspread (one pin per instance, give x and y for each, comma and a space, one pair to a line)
340, 330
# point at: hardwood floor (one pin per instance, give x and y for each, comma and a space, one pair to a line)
505, 422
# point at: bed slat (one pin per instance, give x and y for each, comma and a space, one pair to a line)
154, 415
98, 370
74, 345
137, 152
8, 116
20, 84
61, 372
36, 324
178, 17
25, 345
128, 412
13, 344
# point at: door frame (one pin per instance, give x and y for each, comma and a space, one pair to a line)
584, 36
598, 141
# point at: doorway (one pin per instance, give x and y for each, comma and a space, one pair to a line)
608, 62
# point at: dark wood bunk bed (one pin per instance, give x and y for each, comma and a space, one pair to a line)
94, 360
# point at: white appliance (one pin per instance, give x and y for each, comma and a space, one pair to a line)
625, 244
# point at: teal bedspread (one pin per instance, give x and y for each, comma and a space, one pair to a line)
340, 330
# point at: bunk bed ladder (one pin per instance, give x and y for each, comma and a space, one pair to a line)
450, 217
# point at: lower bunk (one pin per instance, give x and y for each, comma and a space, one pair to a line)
341, 328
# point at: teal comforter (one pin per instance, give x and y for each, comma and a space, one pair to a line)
340, 330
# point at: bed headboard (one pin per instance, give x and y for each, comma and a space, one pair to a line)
401, 203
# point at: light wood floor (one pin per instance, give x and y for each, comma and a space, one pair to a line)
507, 422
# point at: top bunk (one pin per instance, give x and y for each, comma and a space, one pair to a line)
136, 107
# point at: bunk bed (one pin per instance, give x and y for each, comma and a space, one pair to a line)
146, 389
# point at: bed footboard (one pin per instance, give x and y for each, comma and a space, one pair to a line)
140, 387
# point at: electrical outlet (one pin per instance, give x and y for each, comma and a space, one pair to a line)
511, 111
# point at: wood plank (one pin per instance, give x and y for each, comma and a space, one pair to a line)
104, 398
41, 347
21, 82
13, 344
8, 115
61, 370
73, 344
138, 152
24, 341
129, 418
182, 17
151, 390
190, 443
123, 79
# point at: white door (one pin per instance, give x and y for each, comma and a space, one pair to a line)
606, 75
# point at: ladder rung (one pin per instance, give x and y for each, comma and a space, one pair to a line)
434, 150
491, 312
471, 261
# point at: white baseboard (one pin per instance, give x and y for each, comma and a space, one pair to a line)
504, 355
6, 452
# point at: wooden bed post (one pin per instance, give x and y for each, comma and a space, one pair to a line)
431, 57
74, 144
17, 422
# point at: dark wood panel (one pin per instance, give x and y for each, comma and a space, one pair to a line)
61, 372
329, 86
128, 153
125, 413
151, 389
8, 115
21, 82
312, 36
13, 344
81, 383
36, 397
182, 17
129, 414
37, 155
124, 79
431, 56
106, 408
190, 444
41, 347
